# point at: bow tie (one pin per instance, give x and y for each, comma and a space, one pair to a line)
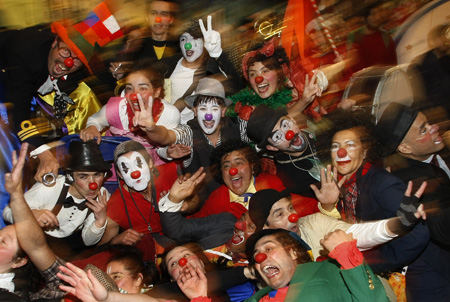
69, 202
246, 196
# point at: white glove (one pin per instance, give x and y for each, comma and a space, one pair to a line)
212, 41
321, 80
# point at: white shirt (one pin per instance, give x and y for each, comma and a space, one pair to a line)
41, 197
6, 281
181, 79
441, 163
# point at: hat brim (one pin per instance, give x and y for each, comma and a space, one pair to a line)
191, 99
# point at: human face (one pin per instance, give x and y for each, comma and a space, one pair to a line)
134, 170
267, 87
374, 18
175, 255
136, 82
56, 66
240, 236
422, 139
9, 247
81, 180
240, 182
209, 115
117, 271
279, 266
191, 48
349, 140
278, 216
278, 136
159, 11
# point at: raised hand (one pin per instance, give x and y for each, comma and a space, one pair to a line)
333, 239
82, 285
127, 237
311, 89
99, 208
330, 190
144, 118
192, 281
212, 40
182, 190
47, 163
13, 180
178, 151
410, 209
89, 133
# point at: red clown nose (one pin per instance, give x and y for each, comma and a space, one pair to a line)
240, 225
260, 257
133, 97
341, 153
259, 79
290, 135
182, 262
293, 218
68, 62
135, 174
158, 19
233, 171
93, 186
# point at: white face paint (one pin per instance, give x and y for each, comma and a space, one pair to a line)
191, 48
208, 116
134, 170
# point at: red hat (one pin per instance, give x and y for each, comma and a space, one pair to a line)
100, 27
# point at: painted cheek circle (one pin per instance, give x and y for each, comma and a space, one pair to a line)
240, 225
259, 79
93, 186
293, 218
260, 257
290, 135
341, 153
187, 46
68, 62
233, 171
208, 116
135, 174
158, 19
182, 262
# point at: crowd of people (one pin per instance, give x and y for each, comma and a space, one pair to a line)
198, 179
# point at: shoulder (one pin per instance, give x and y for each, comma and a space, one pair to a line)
268, 181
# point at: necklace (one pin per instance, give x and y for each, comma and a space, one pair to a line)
315, 170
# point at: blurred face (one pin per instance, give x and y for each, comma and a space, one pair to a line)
81, 180
423, 139
279, 267
159, 17
137, 83
240, 182
191, 48
116, 270
374, 19
59, 52
209, 115
175, 255
347, 153
9, 247
240, 236
267, 85
134, 170
278, 139
278, 217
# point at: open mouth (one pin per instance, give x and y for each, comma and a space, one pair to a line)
263, 88
298, 142
294, 228
189, 53
238, 238
209, 124
438, 140
270, 271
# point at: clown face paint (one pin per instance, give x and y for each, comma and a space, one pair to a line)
278, 139
208, 116
191, 48
132, 162
353, 158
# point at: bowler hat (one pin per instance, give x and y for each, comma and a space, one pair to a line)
393, 125
261, 203
210, 86
261, 123
86, 156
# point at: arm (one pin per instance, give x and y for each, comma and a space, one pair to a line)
112, 235
29, 234
95, 124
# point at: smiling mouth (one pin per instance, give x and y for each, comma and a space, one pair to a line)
238, 238
209, 124
270, 271
298, 142
263, 87
189, 53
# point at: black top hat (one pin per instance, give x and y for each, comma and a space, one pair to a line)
86, 156
393, 125
261, 122
260, 205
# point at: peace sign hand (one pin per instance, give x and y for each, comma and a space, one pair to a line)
144, 118
212, 40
